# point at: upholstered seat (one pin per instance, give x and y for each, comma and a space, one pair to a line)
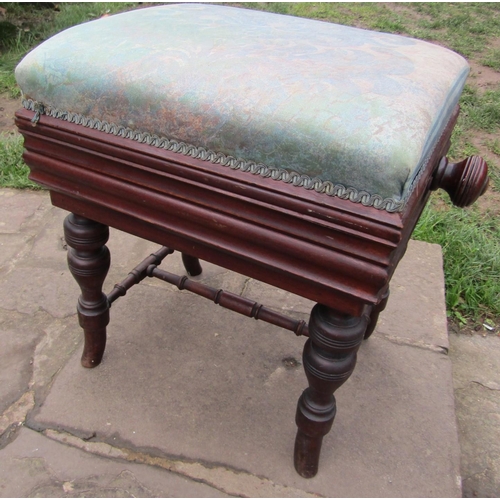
319, 105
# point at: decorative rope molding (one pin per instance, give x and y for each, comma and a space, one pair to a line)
200, 153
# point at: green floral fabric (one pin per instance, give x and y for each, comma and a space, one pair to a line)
353, 107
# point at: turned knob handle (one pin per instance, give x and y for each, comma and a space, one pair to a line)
464, 181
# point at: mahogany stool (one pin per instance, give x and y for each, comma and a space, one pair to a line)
296, 152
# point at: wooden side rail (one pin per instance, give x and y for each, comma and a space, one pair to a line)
231, 301
138, 274
149, 268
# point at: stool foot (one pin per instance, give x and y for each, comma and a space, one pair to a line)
329, 359
88, 261
306, 454
191, 264
375, 313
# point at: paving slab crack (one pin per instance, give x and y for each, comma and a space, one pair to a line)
228, 481
23, 252
16, 413
244, 287
492, 386
476, 474
413, 343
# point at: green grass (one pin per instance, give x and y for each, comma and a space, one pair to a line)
470, 238
13, 172
492, 59
371, 15
470, 243
34, 24
463, 27
494, 146
481, 111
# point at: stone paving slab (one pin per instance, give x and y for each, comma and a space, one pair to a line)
185, 378
476, 376
18, 206
188, 387
18, 341
35, 466
414, 313
199, 389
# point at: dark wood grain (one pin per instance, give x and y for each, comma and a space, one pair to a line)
231, 301
464, 181
329, 359
375, 313
191, 264
88, 261
256, 230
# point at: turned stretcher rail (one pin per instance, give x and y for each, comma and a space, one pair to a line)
231, 301
138, 274
149, 268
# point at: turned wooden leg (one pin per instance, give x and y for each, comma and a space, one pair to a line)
191, 264
375, 313
88, 261
329, 359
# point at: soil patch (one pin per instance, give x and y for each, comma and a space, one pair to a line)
407, 12
8, 107
483, 77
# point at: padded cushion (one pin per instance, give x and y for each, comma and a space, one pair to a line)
351, 107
